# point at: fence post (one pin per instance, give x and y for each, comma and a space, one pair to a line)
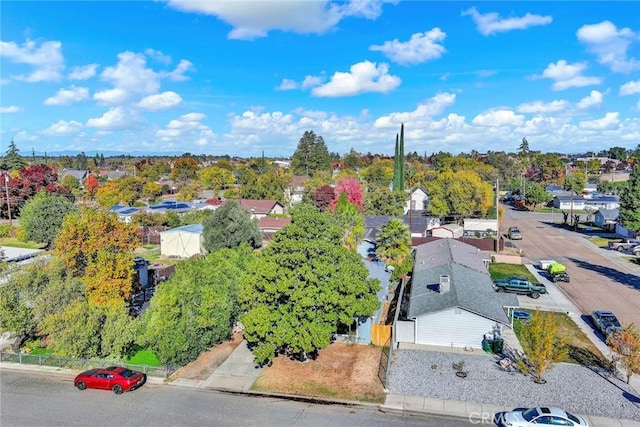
39, 360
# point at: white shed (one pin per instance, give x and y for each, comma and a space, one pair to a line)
182, 242
451, 231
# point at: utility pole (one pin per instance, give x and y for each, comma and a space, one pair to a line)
497, 215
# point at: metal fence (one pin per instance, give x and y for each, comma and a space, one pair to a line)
81, 364
385, 363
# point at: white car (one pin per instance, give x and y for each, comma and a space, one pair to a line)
541, 416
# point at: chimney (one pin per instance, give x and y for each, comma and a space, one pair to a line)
445, 283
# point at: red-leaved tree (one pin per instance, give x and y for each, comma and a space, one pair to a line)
352, 188
323, 197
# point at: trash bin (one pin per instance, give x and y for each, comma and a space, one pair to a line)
497, 345
487, 345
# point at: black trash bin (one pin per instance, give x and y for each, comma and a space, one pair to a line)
497, 345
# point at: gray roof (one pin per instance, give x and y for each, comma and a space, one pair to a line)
76, 173
471, 286
190, 228
568, 198
608, 213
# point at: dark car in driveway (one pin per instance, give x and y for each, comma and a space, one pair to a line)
115, 378
606, 322
520, 285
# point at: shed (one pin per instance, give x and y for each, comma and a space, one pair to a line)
182, 242
480, 227
450, 231
606, 219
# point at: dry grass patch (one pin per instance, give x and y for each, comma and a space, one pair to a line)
341, 371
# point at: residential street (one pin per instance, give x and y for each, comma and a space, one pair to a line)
600, 278
42, 399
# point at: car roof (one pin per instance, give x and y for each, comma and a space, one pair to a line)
550, 410
603, 313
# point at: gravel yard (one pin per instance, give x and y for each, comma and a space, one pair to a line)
571, 387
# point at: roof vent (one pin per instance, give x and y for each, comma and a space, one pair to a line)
445, 283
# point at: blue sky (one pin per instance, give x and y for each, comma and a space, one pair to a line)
237, 78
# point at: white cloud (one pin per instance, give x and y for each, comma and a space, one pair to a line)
158, 56
47, 60
630, 88
491, 23
187, 129
420, 48
312, 81
610, 45
609, 121
63, 128
498, 118
11, 109
68, 96
287, 84
594, 98
425, 111
177, 75
251, 20
161, 101
539, 107
83, 73
567, 75
363, 77
131, 78
115, 119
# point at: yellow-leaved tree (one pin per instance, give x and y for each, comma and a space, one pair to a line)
462, 193
96, 246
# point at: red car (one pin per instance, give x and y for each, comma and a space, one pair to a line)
115, 378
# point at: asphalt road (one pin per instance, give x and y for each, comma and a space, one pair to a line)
600, 278
36, 399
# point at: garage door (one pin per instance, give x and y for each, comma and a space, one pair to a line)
454, 327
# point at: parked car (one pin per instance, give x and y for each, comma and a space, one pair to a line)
541, 416
514, 233
115, 378
624, 245
520, 285
606, 322
636, 250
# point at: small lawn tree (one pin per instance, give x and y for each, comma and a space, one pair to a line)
627, 344
229, 227
541, 345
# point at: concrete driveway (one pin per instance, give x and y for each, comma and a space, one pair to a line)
600, 278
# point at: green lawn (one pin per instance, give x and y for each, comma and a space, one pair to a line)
499, 270
144, 357
581, 350
15, 243
602, 242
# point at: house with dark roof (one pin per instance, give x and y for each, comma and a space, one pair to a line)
606, 219
125, 213
80, 175
259, 208
597, 202
451, 301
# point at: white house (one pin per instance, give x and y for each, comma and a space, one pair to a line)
601, 202
418, 200
452, 302
565, 202
182, 242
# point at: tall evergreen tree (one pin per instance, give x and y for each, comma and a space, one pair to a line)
12, 159
630, 202
398, 168
311, 155
401, 160
396, 181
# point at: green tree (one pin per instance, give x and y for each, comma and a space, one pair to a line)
460, 193
196, 308
216, 178
311, 155
536, 194
41, 218
505, 165
229, 227
630, 202
523, 148
380, 173
302, 287
394, 242
352, 160
541, 345
74, 330
12, 158
383, 201
350, 219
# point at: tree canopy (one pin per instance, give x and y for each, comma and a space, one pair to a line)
302, 287
42, 216
460, 193
228, 227
394, 242
311, 155
630, 202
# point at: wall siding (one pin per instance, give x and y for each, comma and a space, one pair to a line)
452, 328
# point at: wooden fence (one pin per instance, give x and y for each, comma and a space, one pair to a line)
380, 334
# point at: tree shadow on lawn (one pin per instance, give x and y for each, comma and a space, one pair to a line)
627, 279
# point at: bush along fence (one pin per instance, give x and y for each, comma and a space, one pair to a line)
82, 364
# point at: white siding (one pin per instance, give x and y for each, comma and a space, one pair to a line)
405, 331
181, 244
453, 327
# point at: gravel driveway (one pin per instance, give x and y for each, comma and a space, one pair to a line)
571, 387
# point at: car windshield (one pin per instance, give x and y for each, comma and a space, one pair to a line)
573, 418
127, 373
530, 414
609, 319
